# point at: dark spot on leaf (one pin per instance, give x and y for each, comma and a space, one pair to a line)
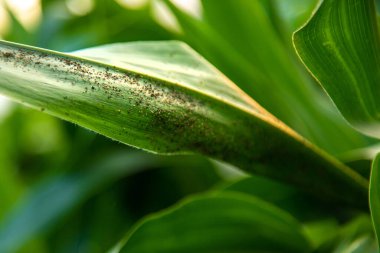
8, 55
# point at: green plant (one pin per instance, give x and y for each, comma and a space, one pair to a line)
165, 98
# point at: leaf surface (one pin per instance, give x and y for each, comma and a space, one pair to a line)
227, 222
125, 93
172, 62
341, 47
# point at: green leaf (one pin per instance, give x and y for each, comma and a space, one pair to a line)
165, 98
341, 47
227, 222
374, 196
48, 202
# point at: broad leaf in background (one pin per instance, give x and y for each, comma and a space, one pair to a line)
241, 39
319, 220
374, 196
174, 103
341, 47
226, 222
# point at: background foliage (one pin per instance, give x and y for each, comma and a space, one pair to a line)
65, 189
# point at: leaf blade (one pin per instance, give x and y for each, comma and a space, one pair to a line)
147, 112
340, 45
185, 65
211, 219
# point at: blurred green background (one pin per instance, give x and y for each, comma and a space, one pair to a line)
65, 189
